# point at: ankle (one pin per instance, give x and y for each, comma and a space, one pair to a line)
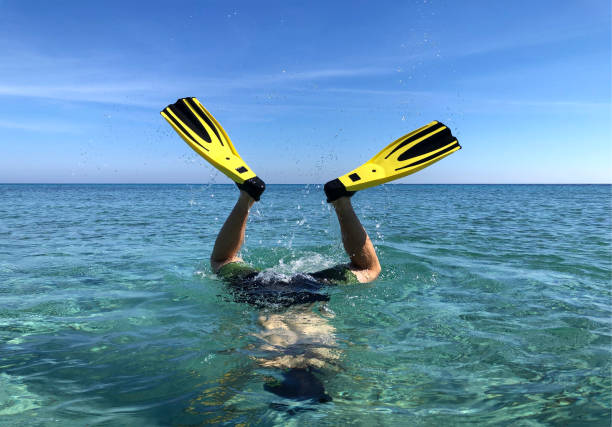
342, 203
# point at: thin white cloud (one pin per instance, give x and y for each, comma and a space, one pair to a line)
452, 96
514, 41
337, 72
100, 78
378, 92
143, 92
40, 126
112, 94
85, 80
546, 103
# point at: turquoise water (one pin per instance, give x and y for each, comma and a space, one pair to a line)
493, 307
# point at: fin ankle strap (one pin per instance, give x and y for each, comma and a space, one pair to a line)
253, 186
335, 189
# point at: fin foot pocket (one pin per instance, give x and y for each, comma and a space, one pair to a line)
253, 186
335, 189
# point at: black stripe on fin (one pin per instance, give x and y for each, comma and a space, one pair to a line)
204, 116
182, 111
433, 143
433, 156
416, 136
169, 111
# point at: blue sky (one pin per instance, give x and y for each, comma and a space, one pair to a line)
307, 91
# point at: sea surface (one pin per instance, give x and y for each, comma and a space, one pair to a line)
493, 307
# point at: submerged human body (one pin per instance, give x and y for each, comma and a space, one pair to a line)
295, 338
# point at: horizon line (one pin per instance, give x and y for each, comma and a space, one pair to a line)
305, 183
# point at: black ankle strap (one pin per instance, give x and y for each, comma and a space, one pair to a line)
335, 189
253, 186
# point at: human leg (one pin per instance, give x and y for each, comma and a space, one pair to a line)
357, 243
230, 238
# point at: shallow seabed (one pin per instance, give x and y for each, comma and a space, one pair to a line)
493, 307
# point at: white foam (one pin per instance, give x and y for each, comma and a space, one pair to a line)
204, 274
271, 276
305, 264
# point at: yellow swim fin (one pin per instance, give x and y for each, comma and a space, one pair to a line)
205, 135
406, 155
